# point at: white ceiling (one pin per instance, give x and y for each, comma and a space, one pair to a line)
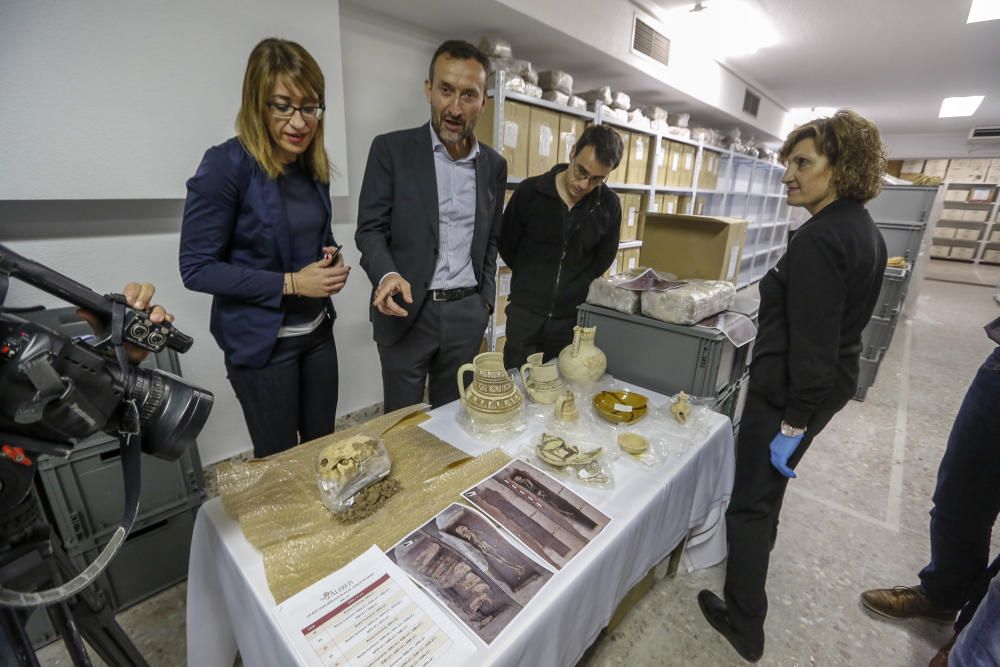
890, 60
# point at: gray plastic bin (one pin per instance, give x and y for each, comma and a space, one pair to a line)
866, 377
909, 203
733, 399
85, 494
902, 238
667, 358
895, 283
877, 335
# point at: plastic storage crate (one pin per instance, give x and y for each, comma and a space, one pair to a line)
667, 358
153, 557
902, 239
890, 299
733, 399
876, 337
907, 203
866, 377
84, 494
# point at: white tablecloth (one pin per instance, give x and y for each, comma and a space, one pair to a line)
229, 606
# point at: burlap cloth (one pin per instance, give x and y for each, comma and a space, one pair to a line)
277, 503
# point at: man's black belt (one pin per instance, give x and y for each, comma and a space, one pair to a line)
451, 294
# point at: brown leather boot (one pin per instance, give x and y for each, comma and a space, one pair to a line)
905, 602
940, 659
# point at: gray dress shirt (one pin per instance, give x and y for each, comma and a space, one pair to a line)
456, 185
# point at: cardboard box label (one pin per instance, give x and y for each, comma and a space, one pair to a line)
631, 262
660, 156
675, 165
640, 149
688, 160
670, 206
545, 137
631, 216
569, 140
734, 255
510, 134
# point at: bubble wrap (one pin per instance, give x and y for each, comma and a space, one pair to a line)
555, 96
495, 47
620, 100
556, 80
689, 304
602, 94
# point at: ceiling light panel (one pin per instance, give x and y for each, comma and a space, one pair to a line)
955, 107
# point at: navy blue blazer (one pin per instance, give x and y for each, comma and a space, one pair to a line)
235, 246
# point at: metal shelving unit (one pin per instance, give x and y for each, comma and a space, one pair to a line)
746, 187
968, 231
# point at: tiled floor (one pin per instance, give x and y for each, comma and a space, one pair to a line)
856, 518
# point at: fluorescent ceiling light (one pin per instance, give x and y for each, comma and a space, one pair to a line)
953, 107
984, 10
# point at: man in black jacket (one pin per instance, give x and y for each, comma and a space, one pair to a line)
560, 231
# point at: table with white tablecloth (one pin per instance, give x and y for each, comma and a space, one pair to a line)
652, 510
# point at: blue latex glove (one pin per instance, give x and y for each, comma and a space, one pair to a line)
782, 448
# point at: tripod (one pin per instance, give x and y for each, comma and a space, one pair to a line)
35, 560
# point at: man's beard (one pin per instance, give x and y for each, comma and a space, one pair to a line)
449, 136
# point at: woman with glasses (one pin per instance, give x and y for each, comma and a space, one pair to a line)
256, 235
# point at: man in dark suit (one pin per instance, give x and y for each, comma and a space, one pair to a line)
428, 227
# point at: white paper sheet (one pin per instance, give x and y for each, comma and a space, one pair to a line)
369, 613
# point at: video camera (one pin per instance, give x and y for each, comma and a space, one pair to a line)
56, 391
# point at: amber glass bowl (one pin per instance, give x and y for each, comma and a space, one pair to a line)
621, 407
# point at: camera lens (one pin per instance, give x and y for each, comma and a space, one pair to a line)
171, 411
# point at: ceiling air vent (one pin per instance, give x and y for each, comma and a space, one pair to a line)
984, 135
751, 102
649, 42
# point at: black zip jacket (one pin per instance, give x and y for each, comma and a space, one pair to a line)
555, 252
814, 304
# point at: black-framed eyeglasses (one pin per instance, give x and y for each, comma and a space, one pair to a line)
581, 174
287, 110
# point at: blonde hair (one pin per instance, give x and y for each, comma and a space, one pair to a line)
852, 145
272, 60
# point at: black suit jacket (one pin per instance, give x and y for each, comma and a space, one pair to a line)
398, 220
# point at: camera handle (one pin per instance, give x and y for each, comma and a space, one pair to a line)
129, 437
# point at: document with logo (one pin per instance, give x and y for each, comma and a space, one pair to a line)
369, 613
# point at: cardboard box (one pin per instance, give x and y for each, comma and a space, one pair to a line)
620, 173
995, 236
956, 195
503, 280
936, 168
993, 175
952, 214
662, 154
687, 167
508, 193
961, 252
543, 141
708, 177
944, 232
500, 310
570, 129
967, 234
684, 205
501, 344
693, 246
699, 206
630, 259
638, 159
940, 250
675, 159
968, 170
630, 600
513, 136
992, 256
975, 214
630, 216
670, 204
911, 169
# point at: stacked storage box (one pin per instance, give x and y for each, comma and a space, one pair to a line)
668, 358
901, 214
83, 499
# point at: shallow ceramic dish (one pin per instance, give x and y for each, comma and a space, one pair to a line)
633, 443
621, 407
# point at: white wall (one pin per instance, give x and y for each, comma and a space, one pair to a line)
941, 145
106, 243
118, 99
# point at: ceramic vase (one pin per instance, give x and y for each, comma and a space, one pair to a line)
581, 361
541, 380
492, 397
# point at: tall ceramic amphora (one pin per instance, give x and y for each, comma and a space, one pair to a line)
492, 398
581, 361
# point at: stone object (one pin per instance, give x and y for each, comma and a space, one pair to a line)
690, 303
541, 380
581, 360
556, 80
607, 293
492, 397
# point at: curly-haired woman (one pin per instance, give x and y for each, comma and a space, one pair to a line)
814, 304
